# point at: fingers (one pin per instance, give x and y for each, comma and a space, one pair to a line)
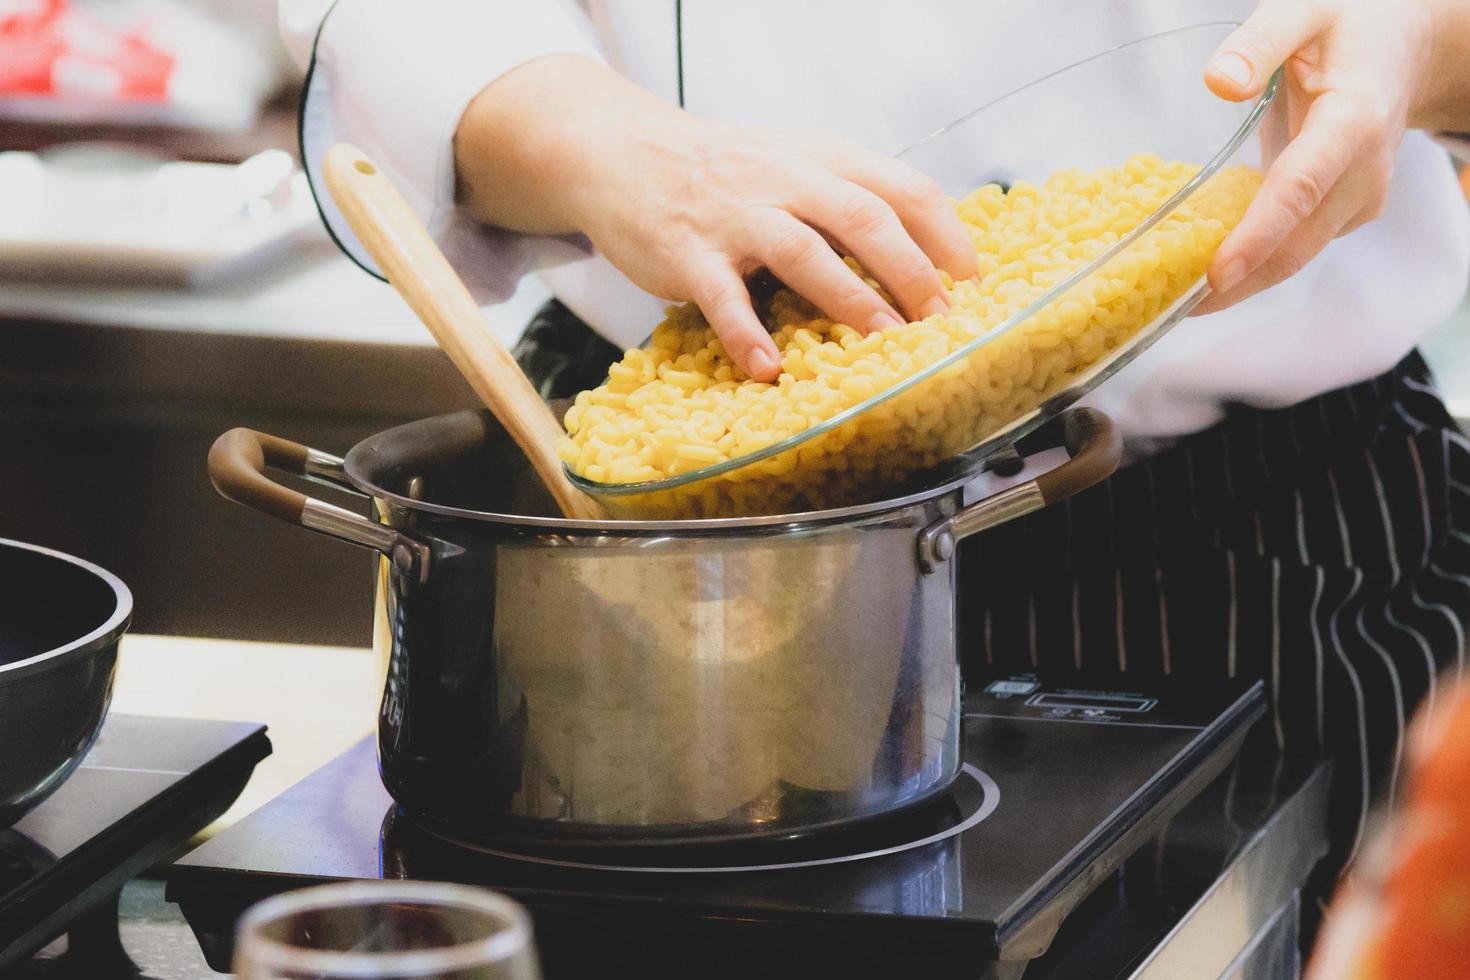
927, 213
1333, 175
721, 294
802, 259
1300, 247
1337, 215
870, 230
1332, 135
1246, 60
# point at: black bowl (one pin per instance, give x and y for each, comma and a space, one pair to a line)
60, 621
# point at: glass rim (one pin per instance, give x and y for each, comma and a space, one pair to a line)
1242, 132
497, 947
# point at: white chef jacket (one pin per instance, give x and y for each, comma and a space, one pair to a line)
394, 78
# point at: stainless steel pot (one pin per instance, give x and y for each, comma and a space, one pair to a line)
550, 680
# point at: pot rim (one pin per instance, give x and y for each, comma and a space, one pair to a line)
105, 635
353, 467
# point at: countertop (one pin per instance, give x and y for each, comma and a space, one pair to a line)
312, 293
317, 701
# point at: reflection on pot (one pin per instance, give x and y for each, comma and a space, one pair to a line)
908, 864
667, 686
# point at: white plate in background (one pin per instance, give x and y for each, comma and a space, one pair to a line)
102, 214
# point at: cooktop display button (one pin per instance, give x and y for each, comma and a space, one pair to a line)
1090, 705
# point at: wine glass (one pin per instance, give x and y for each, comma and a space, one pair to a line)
386, 930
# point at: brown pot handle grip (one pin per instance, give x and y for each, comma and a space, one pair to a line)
1094, 448
238, 462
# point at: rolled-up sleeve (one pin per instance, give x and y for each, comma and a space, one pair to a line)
394, 79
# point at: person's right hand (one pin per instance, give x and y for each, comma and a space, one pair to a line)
687, 207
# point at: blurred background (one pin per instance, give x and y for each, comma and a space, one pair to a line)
164, 277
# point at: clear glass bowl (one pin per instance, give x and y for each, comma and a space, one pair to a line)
1143, 97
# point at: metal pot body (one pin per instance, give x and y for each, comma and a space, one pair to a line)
592, 686
61, 623
630, 682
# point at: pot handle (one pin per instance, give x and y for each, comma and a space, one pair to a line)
238, 461
1095, 448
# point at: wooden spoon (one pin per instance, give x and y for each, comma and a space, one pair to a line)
398, 241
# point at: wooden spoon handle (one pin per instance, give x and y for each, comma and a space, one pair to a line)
394, 236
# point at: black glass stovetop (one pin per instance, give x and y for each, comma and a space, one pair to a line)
1059, 787
146, 787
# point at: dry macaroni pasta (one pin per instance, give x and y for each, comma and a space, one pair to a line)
679, 404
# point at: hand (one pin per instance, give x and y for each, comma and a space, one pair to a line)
688, 207
1355, 70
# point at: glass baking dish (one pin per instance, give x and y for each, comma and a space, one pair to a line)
1146, 96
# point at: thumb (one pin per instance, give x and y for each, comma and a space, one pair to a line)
1246, 60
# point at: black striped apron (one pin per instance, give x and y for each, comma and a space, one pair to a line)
1323, 548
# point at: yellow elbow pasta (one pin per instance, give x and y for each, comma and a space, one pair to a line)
679, 404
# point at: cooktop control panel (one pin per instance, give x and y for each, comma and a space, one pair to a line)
1159, 703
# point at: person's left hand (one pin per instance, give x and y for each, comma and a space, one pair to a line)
1353, 71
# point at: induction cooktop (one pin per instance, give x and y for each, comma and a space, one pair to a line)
1058, 788
145, 788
